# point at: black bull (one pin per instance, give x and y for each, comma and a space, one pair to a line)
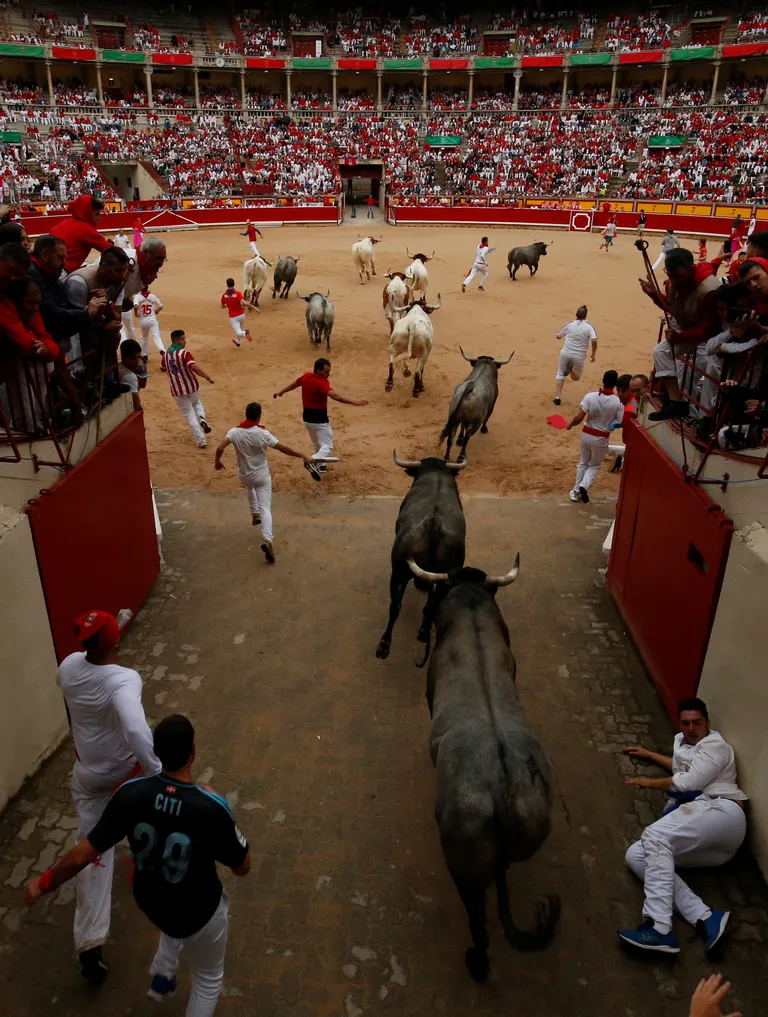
493, 796
430, 529
526, 256
473, 402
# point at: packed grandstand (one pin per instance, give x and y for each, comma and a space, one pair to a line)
560, 103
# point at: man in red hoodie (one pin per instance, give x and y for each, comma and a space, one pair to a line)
690, 302
79, 233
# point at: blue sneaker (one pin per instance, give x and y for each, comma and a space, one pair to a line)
714, 929
645, 937
161, 988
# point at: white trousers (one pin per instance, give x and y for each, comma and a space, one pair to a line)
237, 325
206, 950
321, 436
259, 495
702, 834
592, 455
150, 327
90, 794
666, 365
660, 260
128, 330
565, 359
477, 270
193, 411
254, 248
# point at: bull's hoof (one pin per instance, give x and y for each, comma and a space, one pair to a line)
459, 441
483, 429
387, 386
462, 457
382, 650
477, 963
416, 393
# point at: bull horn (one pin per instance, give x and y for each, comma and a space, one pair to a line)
388, 274
405, 464
431, 256
455, 467
501, 363
328, 293
428, 577
464, 355
408, 253
510, 577
435, 307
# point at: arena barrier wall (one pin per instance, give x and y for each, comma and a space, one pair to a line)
668, 557
94, 534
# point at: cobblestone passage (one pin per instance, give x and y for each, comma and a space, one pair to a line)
322, 752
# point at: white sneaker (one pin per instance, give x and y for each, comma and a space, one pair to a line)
202, 444
574, 496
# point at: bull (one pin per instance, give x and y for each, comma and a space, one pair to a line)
395, 297
494, 792
254, 277
473, 402
364, 257
417, 276
526, 256
320, 318
411, 339
430, 528
285, 276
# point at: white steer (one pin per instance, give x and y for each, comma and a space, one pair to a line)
411, 339
417, 276
395, 297
364, 257
254, 277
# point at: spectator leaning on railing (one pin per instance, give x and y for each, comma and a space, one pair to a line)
79, 232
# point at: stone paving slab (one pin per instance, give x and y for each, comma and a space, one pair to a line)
322, 751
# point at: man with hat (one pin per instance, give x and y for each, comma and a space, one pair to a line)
113, 743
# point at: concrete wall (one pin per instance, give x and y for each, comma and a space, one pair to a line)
32, 720
733, 680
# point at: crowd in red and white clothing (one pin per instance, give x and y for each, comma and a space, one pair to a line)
50, 26
146, 37
262, 98
448, 98
260, 38
626, 32
310, 98
548, 38
753, 27
745, 93
170, 98
361, 36
297, 159
444, 40
218, 97
403, 98
644, 95
73, 93
686, 94
541, 98
21, 93
590, 97
346, 100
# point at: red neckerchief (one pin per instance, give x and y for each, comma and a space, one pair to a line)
605, 391
251, 423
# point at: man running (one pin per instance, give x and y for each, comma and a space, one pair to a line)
146, 307
235, 303
641, 225
480, 266
578, 334
609, 234
668, 243
183, 372
251, 441
600, 409
703, 826
250, 232
112, 743
177, 832
315, 392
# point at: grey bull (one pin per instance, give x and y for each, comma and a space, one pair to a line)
430, 529
526, 256
285, 276
320, 318
473, 402
493, 796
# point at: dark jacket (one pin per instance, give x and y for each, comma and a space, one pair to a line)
61, 320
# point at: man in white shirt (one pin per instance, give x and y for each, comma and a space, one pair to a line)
146, 307
599, 411
703, 826
251, 442
121, 240
480, 266
113, 743
578, 334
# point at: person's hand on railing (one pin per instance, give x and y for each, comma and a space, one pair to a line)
40, 351
95, 306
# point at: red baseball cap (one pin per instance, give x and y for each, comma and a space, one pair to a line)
100, 623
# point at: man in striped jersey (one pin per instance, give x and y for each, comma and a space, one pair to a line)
183, 372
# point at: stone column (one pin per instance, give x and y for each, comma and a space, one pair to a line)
196, 80
765, 97
715, 81
471, 95
614, 80
148, 76
288, 99
424, 89
51, 96
334, 74
516, 101
664, 84
99, 88
379, 102
243, 97
564, 97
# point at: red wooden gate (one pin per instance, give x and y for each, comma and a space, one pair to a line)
670, 548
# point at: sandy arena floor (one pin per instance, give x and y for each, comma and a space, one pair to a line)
519, 454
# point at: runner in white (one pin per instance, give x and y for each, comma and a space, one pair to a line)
251, 441
480, 266
578, 334
183, 371
146, 307
121, 240
112, 743
600, 410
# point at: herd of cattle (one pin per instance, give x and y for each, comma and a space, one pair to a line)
494, 795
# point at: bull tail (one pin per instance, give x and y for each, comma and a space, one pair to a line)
541, 933
452, 422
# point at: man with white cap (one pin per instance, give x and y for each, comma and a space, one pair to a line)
113, 743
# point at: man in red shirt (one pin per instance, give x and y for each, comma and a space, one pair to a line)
315, 391
79, 233
235, 303
370, 202
250, 232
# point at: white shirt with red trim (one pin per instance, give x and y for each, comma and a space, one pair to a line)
602, 409
183, 382
148, 306
251, 444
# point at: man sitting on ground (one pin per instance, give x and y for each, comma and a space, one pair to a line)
703, 826
131, 369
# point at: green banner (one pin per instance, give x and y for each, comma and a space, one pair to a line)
402, 65
122, 56
443, 140
11, 137
590, 59
16, 49
311, 63
667, 140
489, 62
698, 53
